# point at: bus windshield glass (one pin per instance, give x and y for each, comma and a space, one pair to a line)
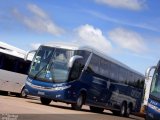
155, 88
51, 64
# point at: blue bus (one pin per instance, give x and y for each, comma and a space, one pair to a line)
82, 75
153, 107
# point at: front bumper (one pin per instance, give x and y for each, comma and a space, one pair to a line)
58, 92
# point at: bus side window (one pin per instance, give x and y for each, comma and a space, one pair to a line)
1, 60
27, 66
9, 63
76, 70
94, 65
23, 67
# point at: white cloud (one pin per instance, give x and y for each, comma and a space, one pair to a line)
127, 4
145, 26
128, 40
88, 35
36, 10
39, 21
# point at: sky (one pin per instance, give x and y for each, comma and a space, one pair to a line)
126, 30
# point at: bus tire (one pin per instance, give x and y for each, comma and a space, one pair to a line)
79, 103
123, 109
45, 101
96, 109
23, 94
128, 111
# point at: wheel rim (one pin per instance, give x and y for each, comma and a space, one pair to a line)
123, 110
80, 101
128, 110
23, 94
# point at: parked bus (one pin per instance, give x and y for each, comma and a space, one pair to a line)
153, 107
82, 75
13, 69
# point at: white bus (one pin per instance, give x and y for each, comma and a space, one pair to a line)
13, 69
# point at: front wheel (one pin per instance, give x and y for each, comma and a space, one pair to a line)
45, 101
79, 103
23, 94
123, 110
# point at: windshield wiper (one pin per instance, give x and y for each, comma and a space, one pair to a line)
35, 77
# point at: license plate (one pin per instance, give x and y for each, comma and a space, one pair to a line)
41, 93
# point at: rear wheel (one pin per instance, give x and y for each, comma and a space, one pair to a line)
79, 103
128, 111
96, 109
45, 101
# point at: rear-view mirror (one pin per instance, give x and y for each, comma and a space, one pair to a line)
26, 56
72, 60
148, 72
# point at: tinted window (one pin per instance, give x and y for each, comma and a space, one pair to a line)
1, 60
76, 69
130, 79
123, 75
9, 63
14, 64
94, 64
114, 72
104, 68
23, 66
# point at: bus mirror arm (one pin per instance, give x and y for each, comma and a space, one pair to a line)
73, 59
148, 71
26, 56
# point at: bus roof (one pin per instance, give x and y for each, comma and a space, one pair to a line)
11, 50
95, 51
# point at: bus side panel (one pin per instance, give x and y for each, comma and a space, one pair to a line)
11, 81
137, 94
95, 89
106, 93
117, 95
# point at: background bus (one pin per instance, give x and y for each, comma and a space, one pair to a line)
153, 107
82, 75
13, 69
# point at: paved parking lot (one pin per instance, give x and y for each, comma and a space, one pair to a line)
14, 108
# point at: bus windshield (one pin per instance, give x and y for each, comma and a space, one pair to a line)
155, 88
51, 64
